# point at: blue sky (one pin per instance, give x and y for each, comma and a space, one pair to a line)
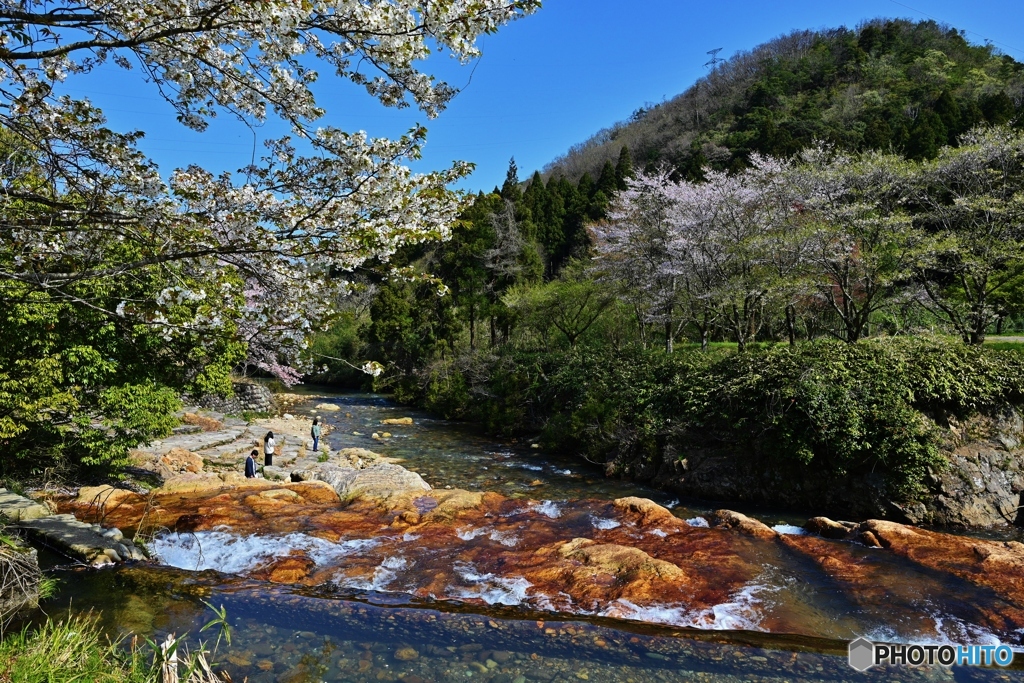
548, 81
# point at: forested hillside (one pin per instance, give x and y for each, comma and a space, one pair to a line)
888, 85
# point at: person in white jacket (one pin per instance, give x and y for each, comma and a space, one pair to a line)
268, 449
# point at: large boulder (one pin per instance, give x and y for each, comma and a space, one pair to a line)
166, 466
105, 498
623, 562
380, 482
208, 481
823, 526
358, 458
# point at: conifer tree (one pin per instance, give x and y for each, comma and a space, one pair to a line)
510, 189
927, 136
998, 108
948, 111
624, 167
608, 181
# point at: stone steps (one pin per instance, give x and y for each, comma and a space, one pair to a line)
288, 449
89, 543
195, 442
186, 429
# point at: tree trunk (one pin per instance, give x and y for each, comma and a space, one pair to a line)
791, 324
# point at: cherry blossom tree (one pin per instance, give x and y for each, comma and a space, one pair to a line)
635, 253
739, 240
80, 205
121, 284
974, 199
864, 245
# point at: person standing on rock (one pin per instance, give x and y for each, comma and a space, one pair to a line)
250, 464
268, 449
315, 433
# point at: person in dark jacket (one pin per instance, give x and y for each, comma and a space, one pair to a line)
250, 464
268, 449
315, 433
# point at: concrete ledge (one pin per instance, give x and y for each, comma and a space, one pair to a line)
89, 543
18, 508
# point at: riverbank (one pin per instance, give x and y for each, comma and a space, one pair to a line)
919, 430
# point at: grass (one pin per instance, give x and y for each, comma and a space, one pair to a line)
1008, 343
76, 651
70, 651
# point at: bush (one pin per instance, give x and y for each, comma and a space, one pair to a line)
841, 409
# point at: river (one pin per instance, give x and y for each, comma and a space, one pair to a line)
791, 624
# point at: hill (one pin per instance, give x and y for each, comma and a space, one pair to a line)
889, 84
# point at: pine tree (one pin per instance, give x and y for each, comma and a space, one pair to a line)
997, 108
624, 167
510, 190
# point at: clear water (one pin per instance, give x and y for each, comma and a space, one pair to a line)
459, 455
367, 630
283, 634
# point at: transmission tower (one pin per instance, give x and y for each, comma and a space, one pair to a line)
713, 62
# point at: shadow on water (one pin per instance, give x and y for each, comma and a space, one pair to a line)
286, 634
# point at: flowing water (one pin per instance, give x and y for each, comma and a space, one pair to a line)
402, 608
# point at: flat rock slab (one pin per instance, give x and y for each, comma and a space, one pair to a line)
379, 482
276, 473
19, 508
195, 442
89, 543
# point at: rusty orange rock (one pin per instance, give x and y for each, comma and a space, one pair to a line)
745, 525
646, 511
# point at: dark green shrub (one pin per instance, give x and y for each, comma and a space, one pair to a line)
839, 409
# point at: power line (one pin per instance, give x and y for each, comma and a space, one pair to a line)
941, 21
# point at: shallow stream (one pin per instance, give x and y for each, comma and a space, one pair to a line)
791, 623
